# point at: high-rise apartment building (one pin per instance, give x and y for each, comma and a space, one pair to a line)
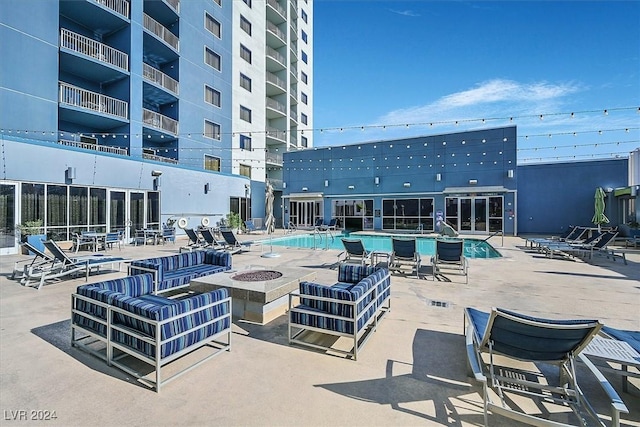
209, 93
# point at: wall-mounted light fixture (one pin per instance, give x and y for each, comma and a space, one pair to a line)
326, 182
207, 187
406, 184
473, 181
156, 173
510, 173
70, 174
305, 189
284, 185
376, 180
351, 187
438, 177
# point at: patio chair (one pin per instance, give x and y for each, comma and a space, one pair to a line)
63, 266
332, 225
233, 245
405, 251
521, 352
113, 238
619, 350
319, 222
450, 256
168, 235
355, 251
38, 257
80, 240
210, 239
250, 226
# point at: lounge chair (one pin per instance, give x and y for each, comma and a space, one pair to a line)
536, 240
405, 251
355, 251
63, 266
619, 350
509, 339
319, 223
450, 256
195, 242
24, 265
576, 235
233, 245
250, 227
600, 247
210, 239
332, 225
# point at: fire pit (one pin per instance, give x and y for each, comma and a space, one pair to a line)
257, 276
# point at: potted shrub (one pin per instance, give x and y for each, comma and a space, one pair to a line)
31, 232
234, 221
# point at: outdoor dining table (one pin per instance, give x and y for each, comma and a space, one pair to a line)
95, 237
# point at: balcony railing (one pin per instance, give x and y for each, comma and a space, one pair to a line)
94, 147
159, 158
273, 158
271, 52
161, 32
276, 183
119, 6
89, 47
277, 31
174, 4
275, 105
78, 97
281, 10
158, 121
158, 77
276, 133
273, 79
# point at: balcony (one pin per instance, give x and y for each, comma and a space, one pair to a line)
274, 158
74, 96
274, 5
94, 147
276, 56
90, 48
160, 122
276, 133
120, 7
278, 85
155, 157
159, 78
161, 32
174, 4
275, 36
104, 16
275, 109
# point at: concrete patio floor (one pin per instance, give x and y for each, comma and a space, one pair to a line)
411, 372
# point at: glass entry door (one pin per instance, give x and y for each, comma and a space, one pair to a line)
470, 215
304, 213
7, 218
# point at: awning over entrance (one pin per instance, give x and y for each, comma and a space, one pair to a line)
468, 190
312, 195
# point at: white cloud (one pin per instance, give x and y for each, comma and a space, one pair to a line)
405, 12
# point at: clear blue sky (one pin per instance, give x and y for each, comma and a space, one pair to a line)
397, 62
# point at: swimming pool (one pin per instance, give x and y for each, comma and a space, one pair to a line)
473, 248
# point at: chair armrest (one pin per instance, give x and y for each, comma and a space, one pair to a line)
472, 356
617, 405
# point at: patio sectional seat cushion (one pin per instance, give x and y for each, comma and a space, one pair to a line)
351, 307
141, 322
177, 270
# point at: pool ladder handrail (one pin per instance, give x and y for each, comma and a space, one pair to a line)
318, 232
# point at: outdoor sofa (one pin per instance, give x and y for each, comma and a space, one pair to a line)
121, 321
176, 271
350, 308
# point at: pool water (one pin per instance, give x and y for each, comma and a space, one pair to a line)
473, 248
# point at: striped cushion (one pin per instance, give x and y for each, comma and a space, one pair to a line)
319, 320
340, 291
353, 273
158, 308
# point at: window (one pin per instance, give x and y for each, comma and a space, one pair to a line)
303, 96
303, 76
245, 53
211, 163
303, 141
212, 96
213, 26
245, 114
303, 118
218, 2
247, 2
304, 15
212, 59
245, 25
245, 142
304, 57
211, 130
304, 36
32, 202
245, 82
245, 170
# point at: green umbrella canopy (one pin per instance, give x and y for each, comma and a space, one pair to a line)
599, 217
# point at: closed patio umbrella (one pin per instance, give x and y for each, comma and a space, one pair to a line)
599, 217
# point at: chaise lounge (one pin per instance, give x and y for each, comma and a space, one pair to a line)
121, 320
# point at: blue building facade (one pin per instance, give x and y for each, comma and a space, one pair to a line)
468, 179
